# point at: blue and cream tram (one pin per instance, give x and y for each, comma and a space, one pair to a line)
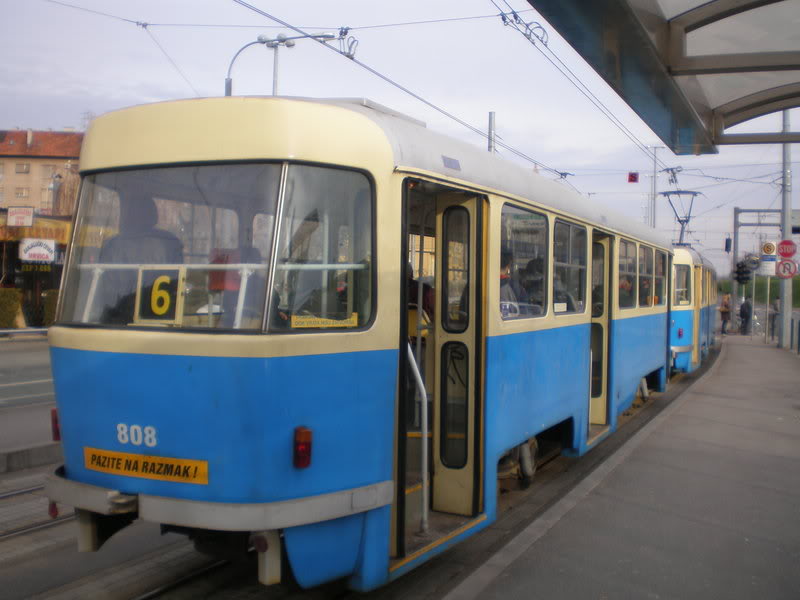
309, 327
694, 309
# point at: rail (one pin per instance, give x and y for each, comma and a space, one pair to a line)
24, 331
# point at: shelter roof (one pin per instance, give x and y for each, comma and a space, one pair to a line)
40, 144
691, 69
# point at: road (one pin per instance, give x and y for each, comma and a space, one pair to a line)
26, 393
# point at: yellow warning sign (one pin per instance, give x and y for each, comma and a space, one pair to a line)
181, 470
311, 322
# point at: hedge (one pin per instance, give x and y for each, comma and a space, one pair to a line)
10, 302
50, 299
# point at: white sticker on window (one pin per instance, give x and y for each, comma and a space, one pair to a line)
560, 307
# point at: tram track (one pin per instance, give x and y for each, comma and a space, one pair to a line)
16, 513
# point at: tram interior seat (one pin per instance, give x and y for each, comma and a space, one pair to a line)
139, 242
229, 282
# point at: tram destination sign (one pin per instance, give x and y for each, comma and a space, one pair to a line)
787, 248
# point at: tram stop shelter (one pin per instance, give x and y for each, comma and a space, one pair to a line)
691, 69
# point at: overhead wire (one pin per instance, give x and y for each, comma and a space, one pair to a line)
350, 28
561, 174
169, 58
575, 81
141, 24
146, 26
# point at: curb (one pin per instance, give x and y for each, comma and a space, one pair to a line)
27, 458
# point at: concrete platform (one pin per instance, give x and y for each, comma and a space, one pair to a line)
703, 502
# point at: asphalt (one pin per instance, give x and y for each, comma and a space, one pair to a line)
703, 502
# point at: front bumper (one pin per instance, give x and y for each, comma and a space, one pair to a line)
221, 516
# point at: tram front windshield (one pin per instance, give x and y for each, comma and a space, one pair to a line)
197, 247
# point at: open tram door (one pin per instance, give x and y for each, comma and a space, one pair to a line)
600, 334
442, 263
697, 303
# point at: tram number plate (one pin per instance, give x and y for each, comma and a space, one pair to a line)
180, 470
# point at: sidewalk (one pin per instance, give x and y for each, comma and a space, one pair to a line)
703, 502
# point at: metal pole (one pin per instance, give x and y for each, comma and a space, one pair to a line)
786, 234
653, 199
753, 305
491, 133
734, 260
766, 313
423, 525
275, 70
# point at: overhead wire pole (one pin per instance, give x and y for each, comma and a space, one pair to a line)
653, 197
786, 234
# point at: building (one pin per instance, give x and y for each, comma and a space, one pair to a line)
38, 189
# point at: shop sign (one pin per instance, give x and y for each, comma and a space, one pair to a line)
20, 216
38, 250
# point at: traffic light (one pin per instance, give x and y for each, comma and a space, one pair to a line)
742, 274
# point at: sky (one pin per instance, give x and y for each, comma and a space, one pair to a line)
64, 64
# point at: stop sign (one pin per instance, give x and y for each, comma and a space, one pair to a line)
787, 248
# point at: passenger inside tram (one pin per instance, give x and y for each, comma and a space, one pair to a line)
139, 241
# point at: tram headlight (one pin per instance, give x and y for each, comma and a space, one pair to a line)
302, 447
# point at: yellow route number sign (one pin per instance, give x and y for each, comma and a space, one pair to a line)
159, 297
179, 470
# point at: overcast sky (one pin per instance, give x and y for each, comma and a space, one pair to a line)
61, 65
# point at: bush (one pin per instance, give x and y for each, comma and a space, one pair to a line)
50, 299
10, 302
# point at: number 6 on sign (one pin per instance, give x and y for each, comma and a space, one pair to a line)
159, 298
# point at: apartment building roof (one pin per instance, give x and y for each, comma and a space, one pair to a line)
40, 144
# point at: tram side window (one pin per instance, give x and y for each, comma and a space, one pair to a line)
683, 292
569, 268
324, 266
523, 263
645, 276
627, 274
660, 278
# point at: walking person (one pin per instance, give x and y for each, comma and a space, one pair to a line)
725, 312
746, 314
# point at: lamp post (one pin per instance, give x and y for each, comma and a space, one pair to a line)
274, 43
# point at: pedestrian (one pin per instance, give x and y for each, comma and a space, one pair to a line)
746, 314
725, 312
775, 307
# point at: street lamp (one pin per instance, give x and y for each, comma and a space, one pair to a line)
274, 43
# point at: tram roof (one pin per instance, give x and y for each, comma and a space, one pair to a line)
693, 256
416, 147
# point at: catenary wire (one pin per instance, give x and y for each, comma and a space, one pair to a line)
169, 58
404, 89
146, 27
582, 88
350, 28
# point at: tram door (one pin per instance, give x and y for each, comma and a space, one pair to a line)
697, 303
598, 403
457, 415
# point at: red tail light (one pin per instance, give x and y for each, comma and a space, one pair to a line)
52, 510
680, 332
302, 447
55, 426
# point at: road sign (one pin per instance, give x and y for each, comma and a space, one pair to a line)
752, 262
768, 248
787, 248
786, 269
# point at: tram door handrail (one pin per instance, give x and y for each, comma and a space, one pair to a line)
422, 394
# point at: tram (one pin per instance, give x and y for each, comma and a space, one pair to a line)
319, 330
694, 309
